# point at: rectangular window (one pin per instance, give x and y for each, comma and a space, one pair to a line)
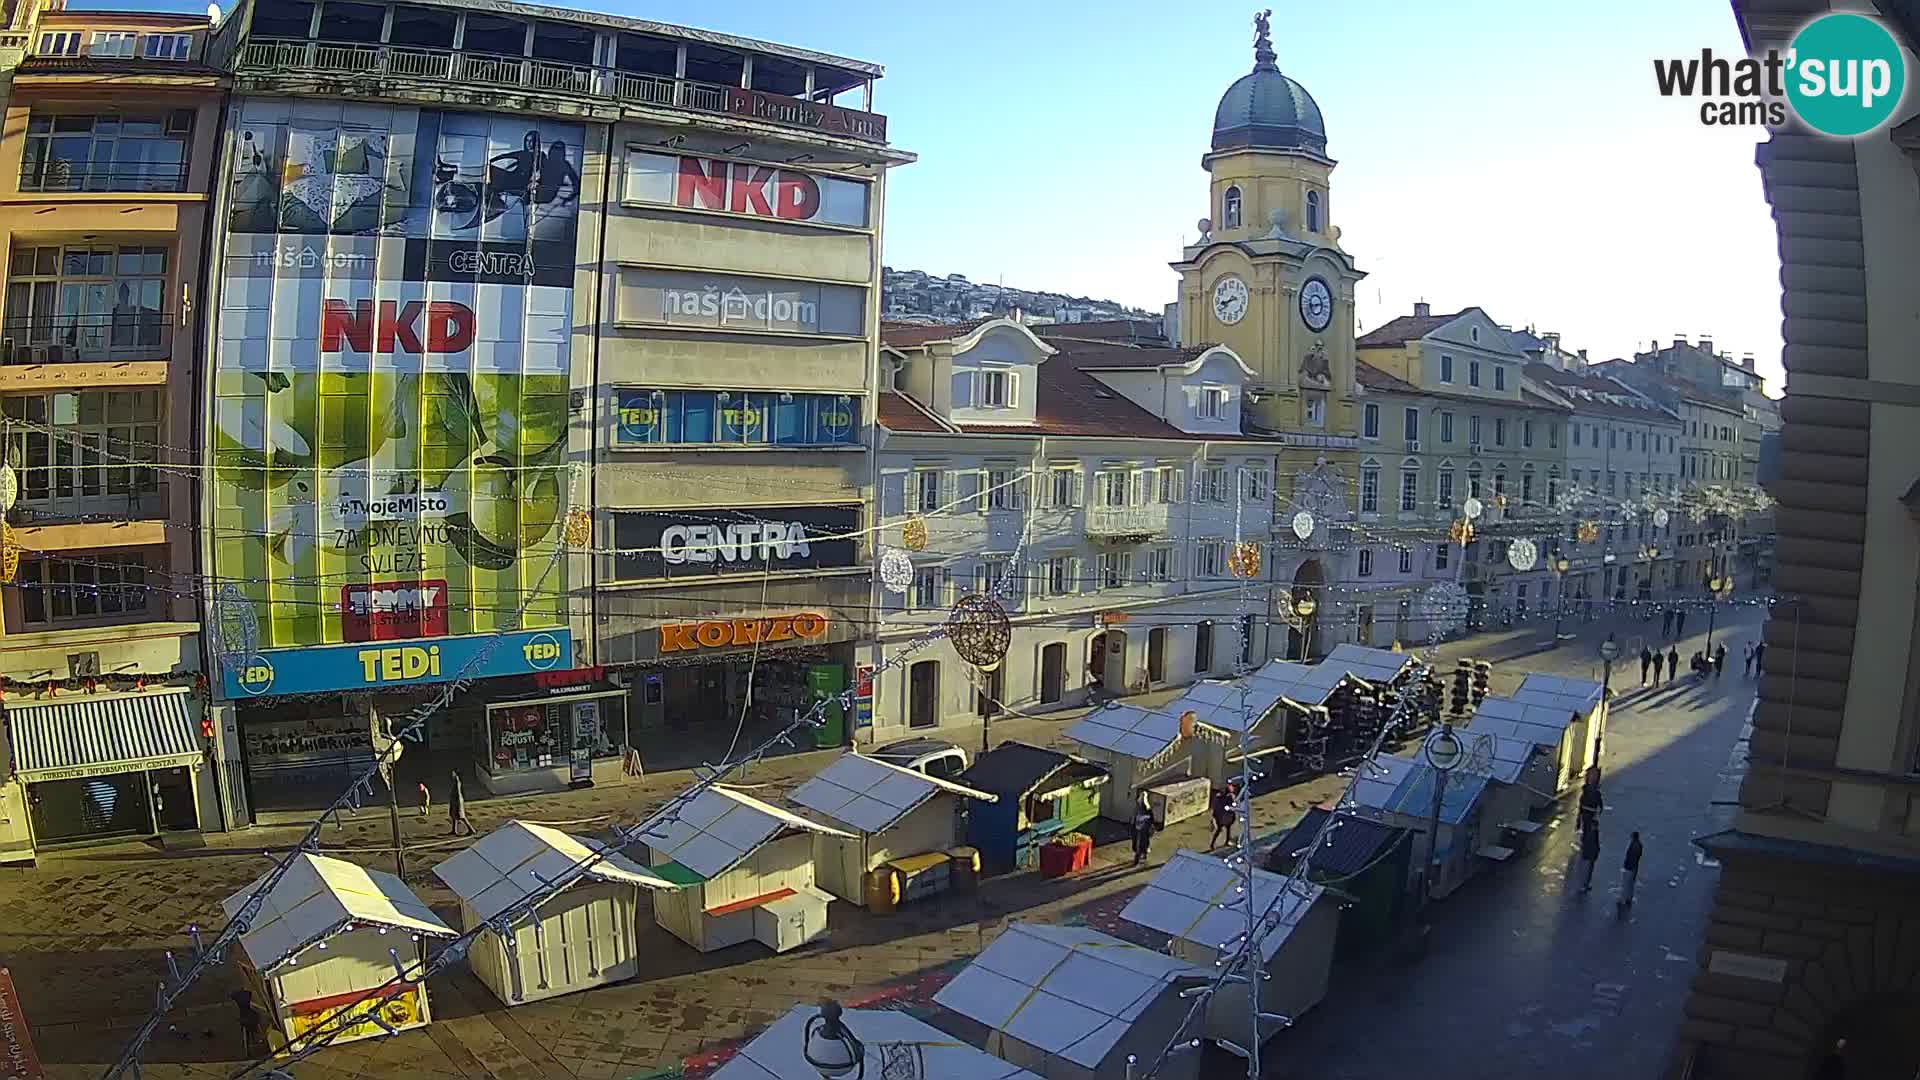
925, 492
1553, 435
1213, 403
112, 44
1444, 496
1215, 484
1257, 484
86, 303
1576, 434
1366, 562
1441, 554
103, 584
927, 588
1613, 485
1161, 563
1203, 648
1210, 558
1526, 487
1446, 368
1473, 430
1473, 373
1064, 487
1409, 490
1613, 438
1370, 421
1413, 425
63, 43
1499, 377
1116, 569
1499, 431
106, 152
166, 46
73, 448
1406, 560
1058, 571
1316, 410
1004, 491
1370, 490
995, 389
1446, 427
1526, 433
773, 419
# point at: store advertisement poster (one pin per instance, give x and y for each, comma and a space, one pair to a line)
863, 696
18, 1059
390, 380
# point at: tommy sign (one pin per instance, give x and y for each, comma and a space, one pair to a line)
690, 543
728, 302
389, 610
720, 186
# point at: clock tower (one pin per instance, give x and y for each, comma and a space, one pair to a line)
1268, 277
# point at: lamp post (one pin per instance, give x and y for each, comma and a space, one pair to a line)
1444, 753
1304, 607
1718, 589
831, 1047
1560, 565
1609, 649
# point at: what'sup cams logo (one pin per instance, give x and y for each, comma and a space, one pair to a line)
1843, 75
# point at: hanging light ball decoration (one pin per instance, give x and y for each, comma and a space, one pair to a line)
1523, 555
9, 487
1461, 532
1500, 500
1443, 606
1660, 519
979, 631
9, 554
913, 535
1473, 508
1244, 560
896, 570
1303, 524
1589, 532
578, 532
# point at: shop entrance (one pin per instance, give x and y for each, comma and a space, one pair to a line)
733, 703
1053, 673
174, 809
91, 808
923, 694
1157, 655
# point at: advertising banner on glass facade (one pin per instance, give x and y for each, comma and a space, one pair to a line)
734, 418
390, 375
702, 542
730, 302
380, 666
740, 187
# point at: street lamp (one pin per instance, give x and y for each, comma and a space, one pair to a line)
831, 1047
1304, 607
1718, 589
1560, 565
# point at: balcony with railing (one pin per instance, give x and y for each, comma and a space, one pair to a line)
275, 56
1147, 521
86, 339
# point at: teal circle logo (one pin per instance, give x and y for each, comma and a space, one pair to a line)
1845, 74
256, 675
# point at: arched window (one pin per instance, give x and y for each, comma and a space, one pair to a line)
1473, 480
1553, 486
1526, 484
1230, 209
1313, 211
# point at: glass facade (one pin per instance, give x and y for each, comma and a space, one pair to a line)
735, 418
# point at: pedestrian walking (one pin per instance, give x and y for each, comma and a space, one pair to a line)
1680, 623
1759, 658
1223, 815
252, 1041
426, 798
1673, 663
1746, 652
1143, 829
1719, 659
1589, 854
1591, 802
457, 806
1666, 624
1646, 661
1834, 1065
1630, 871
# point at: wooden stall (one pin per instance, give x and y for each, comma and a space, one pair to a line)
745, 873
896, 1044
1567, 737
579, 938
1368, 859
1579, 698
329, 938
1399, 792
1038, 794
1187, 901
1141, 749
1069, 1003
906, 829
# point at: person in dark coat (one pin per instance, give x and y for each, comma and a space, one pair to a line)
1630, 871
1591, 803
1143, 830
1673, 663
252, 1041
1759, 658
1680, 623
1719, 659
1666, 623
1223, 815
1746, 653
1589, 854
1646, 661
457, 806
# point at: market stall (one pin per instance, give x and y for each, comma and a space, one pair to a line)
905, 826
329, 938
1071, 1003
1038, 794
578, 938
893, 1044
1567, 737
1195, 899
1586, 705
1380, 667
1399, 792
1369, 861
1141, 749
745, 871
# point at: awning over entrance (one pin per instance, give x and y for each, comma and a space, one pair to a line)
96, 736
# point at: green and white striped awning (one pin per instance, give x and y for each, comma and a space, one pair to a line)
93, 736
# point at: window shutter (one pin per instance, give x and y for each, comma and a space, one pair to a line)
964, 389
893, 494
1079, 488
1017, 494
944, 596
949, 489
1013, 389
1179, 485
1074, 570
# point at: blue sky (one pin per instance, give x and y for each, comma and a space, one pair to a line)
1510, 154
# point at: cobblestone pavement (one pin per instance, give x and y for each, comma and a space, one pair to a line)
84, 933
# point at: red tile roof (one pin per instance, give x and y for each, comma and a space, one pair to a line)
1072, 402
901, 413
1404, 329
914, 335
1375, 379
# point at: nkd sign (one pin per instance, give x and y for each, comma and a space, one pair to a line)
703, 542
751, 190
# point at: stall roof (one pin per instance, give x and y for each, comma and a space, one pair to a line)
720, 827
1302, 684
1374, 665
1572, 695
1069, 991
1219, 705
1545, 725
1413, 795
1127, 730
316, 897
870, 795
777, 1053
1184, 901
1378, 780
1349, 847
1013, 770
514, 860
1506, 756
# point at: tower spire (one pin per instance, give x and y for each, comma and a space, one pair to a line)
1263, 55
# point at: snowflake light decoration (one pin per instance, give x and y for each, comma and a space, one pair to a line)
896, 570
1443, 605
1523, 555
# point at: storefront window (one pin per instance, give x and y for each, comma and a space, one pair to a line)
571, 732
736, 418
526, 737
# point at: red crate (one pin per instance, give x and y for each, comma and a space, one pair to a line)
1059, 860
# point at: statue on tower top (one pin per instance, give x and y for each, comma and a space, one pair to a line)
1263, 54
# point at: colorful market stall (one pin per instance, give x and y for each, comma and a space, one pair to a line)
1038, 794
578, 938
330, 937
1368, 861
892, 1043
905, 827
744, 870
1400, 792
1188, 900
1069, 1003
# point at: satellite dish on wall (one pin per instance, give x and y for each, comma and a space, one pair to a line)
213, 14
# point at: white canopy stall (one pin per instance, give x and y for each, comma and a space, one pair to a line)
1580, 698
1184, 901
326, 940
1553, 727
896, 1044
1142, 749
1381, 667
581, 937
906, 826
744, 870
1073, 1004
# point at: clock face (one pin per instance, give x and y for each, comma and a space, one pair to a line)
1230, 299
1316, 304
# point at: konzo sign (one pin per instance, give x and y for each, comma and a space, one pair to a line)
731, 302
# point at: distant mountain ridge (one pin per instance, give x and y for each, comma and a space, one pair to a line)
918, 296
